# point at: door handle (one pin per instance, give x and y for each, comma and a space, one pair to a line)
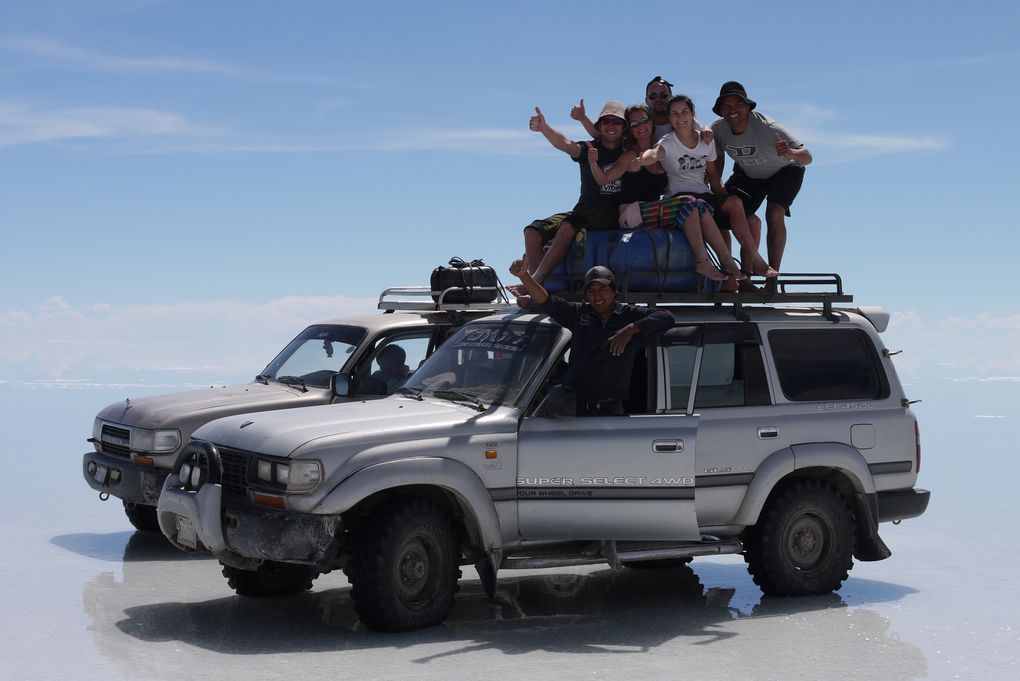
770, 433
667, 446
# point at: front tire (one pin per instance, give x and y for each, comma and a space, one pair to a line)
142, 517
803, 542
404, 569
272, 578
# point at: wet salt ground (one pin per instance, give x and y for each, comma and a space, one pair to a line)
85, 597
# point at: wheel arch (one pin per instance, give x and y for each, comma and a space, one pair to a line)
836, 463
449, 483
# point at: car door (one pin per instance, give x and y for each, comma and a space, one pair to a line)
627, 477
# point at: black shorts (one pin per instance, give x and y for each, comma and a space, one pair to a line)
781, 188
585, 215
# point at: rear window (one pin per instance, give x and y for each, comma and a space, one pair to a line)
827, 364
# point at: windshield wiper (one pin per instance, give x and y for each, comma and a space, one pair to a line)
293, 380
410, 392
452, 394
263, 379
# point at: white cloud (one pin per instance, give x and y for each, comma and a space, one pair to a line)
58, 341
50, 50
25, 125
983, 347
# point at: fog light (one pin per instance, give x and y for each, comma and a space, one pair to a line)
185, 473
196, 477
91, 468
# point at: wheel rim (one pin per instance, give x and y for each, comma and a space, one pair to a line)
808, 541
416, 573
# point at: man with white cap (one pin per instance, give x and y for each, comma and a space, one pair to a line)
768, 162
597, 206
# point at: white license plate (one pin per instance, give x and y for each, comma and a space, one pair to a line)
101, 474
186, 534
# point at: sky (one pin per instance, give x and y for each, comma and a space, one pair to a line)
186, 185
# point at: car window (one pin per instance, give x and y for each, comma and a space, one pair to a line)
731, 375
827, 364
319, 352
393, 360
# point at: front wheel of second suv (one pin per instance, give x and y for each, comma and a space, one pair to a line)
803, 542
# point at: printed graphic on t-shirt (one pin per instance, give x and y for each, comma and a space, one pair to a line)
586, 320
688, 162
746, 156
614, 187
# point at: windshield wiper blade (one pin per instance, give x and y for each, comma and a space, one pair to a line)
293, 380
452, 394
263, 379
410, 392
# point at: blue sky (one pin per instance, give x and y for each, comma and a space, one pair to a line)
184, 185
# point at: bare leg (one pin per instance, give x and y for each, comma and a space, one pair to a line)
533, 249
556, 253
702, 265
710, 232
750, 258
775, 218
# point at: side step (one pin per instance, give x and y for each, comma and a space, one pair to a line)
626, 551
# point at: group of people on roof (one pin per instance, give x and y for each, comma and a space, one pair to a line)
642, 153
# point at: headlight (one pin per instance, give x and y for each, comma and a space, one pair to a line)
185, 473
97, 434
294, 476
156, 441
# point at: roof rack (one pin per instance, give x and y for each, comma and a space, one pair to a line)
794, 287
408, 298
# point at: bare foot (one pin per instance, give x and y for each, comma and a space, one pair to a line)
709, 271
762, 268
748, 287
733, 269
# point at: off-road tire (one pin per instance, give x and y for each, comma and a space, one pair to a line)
405, 566
803, 542
141, 516
271, 579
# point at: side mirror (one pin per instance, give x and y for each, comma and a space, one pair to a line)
559, 402
341, 385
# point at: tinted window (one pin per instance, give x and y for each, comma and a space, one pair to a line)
827, 364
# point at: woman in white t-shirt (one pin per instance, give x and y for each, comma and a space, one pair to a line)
687, 161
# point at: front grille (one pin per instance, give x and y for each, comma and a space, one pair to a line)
235, 471
116, 441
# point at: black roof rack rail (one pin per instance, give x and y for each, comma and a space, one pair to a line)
821, 289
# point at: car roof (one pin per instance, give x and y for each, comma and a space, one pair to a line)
395, 320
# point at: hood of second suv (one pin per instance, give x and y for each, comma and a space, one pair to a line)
168, 410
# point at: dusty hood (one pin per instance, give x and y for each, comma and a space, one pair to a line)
169, 410
390, 419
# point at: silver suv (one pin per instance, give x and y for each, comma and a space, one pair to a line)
137, 441
779, 433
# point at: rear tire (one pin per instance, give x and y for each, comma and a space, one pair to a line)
141, 516
272, 578
803, 542
404, 567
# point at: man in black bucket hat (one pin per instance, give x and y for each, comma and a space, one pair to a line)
768, 162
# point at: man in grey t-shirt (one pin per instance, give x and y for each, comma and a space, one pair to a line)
768, 162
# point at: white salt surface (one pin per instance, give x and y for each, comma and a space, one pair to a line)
84, 597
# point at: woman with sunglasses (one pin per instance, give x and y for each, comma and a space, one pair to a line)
644, 180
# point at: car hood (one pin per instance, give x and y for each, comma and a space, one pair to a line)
167, 411
302, 431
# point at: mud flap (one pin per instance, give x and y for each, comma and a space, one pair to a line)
868, 545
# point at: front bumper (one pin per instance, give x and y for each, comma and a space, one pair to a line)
123, 478
243, 535
902, 504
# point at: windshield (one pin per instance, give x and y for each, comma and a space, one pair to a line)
490, 363
318, 353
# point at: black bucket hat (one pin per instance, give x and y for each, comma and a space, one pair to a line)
732, 87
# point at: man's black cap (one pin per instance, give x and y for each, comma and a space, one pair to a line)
602, 275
